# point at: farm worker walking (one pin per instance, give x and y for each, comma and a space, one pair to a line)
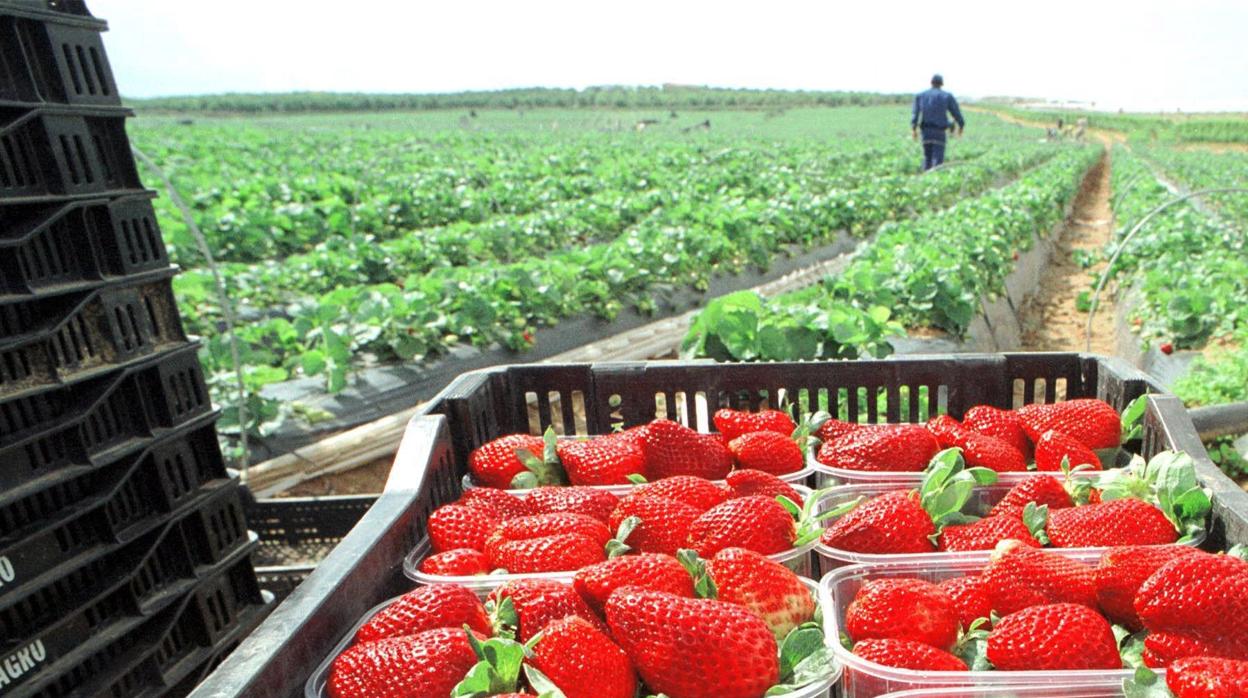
931, 109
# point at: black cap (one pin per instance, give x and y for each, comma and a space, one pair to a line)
937, 79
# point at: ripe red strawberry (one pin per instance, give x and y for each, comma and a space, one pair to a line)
603, 460
425, 665
1001, 424
1062, 636
1208, 677
1203, 597
1123, 570
674, 449
767, 451
1020, 576
561, 552
498, 502
834, 429
694, 648
979, 450
699, 493
1117, 522
460, 562
907, 654
583, 662
1161, 649
664, 526
734, 423
1167, 348
894, 522
895, 447
495, 463
426, 608
985, 534
970, 598
744, 483
577, 500
1095, 423
454, 526
1054, 446
537, 602
756, 523
542, 525
647, 570
901, 608
1042, 489
766, 587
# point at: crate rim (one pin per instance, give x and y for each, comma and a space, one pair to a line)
29, 12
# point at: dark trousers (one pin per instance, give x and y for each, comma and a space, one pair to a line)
933, 147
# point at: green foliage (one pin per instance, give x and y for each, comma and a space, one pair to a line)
1147, 128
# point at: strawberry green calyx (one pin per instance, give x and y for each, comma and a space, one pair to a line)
496, 671
809, 519
1168, 481
637, 479
947, 486
972, 645
618, 545
805, 659
503, 617
1144, 683
1133, 418
540, 682
1079, 488
1035, 517
547, 470
805, 432
703, 585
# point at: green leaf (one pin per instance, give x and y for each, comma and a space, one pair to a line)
637, 478
703, 585
1036, 519
1132, 418
541, 683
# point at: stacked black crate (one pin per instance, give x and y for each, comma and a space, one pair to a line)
125, 565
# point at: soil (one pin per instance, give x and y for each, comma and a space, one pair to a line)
366, 479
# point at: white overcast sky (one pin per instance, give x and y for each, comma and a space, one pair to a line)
1147, 54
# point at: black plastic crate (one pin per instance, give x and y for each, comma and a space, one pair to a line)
296, 533
91, 422
46, 154
53, 52
365, 569
45, 250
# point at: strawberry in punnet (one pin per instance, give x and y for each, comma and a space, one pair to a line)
1094, 423
542, 525
1123, 570
744, 483
833, 429
1053, 637
699, 493
577, 500
1019, 576
985, 533
756, 523
766, 587
902, 608
1136, 503
460, 562
907, 654
560, 552
1043, 490
1054, 448
603, 460
497, 502
453, 526
767, 451
1001, 424
674, 449
1161, 649
734, 423
583, 662
647, 570
426, 608
970, 598
1208, 677
426, 665
897, 447
526, 606
1116, 522
496, 463
1202, 597
979, 450
663, 524
694, 648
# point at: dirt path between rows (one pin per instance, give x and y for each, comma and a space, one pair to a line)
1051, 320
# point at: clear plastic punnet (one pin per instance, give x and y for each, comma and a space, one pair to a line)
1109, 690
828, 476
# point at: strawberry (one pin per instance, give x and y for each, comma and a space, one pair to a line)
577, 500
1160, 649
894, 522
766, 587
495, 463
833, 429
674, 449
907, 654
767, 451
499, 503
699, 493
1054, 447
1063, 636
1203, 597
1117, 522
1095, 423
663, 527
1019, 576
1001, 424
895, 447
970, 598
979, 450
985, 534
694, 648
460, 562
900, 608
454, 526
425, 665
756, 523
1208, 677
583, 662
605, 460
647, 570
1123, 570
1167, 348
734, 423
743, 483
542, 525
1042, 489
561, 552
426, 608
526, 606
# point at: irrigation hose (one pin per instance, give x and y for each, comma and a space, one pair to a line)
226, 309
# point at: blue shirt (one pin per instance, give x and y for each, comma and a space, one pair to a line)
930, 107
